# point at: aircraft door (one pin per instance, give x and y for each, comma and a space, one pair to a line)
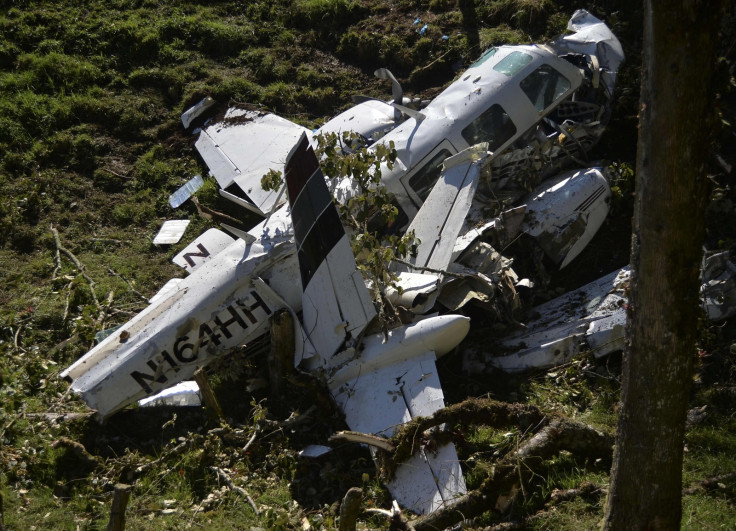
420, 181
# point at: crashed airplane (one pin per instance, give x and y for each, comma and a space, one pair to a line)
514, 118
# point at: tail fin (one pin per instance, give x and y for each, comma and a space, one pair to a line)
335, 302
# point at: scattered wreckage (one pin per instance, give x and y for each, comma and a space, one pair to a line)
592, 319
465, 163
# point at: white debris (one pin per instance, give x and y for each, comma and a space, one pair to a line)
171, 232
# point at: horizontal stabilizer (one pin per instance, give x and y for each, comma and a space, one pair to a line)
393, 380
242, 148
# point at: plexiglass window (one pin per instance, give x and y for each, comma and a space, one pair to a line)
493, 126
490, 52
512, 63
544, 86
423, 180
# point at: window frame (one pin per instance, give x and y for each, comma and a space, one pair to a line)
445, 144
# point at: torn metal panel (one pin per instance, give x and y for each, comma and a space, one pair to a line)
185, 191
718, 291
591, 318
171, 232
196, 111
414, 291
593, 38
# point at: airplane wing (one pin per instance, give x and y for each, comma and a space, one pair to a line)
387, 381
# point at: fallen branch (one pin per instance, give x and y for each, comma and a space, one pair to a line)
250, 441
60, 417
209, 213
240, 490
108, 170
363, 438
142, 469
130, 285
80, 267
585, 490
407, 440
518, 467
565, 434
15, 338
79, 450
107, 240
710, 483
396, 518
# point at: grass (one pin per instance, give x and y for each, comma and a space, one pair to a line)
91, 146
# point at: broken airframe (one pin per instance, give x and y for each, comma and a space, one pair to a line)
515, 118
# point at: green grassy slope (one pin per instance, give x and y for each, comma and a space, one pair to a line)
91, 146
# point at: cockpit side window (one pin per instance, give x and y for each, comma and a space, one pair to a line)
512, 63
490, 52
493, 126
544, 86
425, 177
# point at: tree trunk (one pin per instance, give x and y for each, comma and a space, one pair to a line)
676, 122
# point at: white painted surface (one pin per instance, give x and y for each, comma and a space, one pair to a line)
244, 147
204, 248
171, 232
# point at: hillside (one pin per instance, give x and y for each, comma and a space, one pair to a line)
91, 147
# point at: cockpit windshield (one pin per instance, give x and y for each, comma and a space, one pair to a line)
512, 63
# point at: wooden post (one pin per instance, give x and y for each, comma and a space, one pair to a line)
2, 514
208, 395
119, 503
281, 355
349, 509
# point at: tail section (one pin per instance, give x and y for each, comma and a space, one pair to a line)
336, 305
